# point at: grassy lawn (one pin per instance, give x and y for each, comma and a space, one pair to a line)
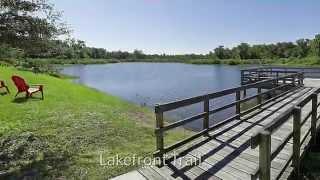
64, 135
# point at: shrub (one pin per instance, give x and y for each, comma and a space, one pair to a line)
234, 62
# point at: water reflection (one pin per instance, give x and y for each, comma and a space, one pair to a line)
150, 83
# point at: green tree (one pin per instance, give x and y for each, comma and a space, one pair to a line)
9, 52
85, 53
303, 47
219, 52
29, 25
223, 53
256, 52
138, 54
69, 53
316, 45
243, 50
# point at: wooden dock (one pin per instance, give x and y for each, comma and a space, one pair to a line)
266, 141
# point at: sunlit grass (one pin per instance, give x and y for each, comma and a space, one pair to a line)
80, 122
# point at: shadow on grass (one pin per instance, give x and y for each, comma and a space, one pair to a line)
3, 93
25, 99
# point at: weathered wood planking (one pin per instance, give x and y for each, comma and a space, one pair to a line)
224, 150
225, 153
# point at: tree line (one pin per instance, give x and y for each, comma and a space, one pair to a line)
299, 49
77, 49
31, 29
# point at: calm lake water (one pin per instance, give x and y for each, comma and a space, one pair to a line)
149, 83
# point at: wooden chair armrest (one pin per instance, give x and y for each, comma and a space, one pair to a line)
37, 85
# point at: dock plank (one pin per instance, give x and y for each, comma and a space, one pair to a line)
225, 153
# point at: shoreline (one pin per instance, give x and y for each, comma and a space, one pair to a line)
308, 62
74, 122
222, 64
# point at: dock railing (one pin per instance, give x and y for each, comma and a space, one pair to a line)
283, 83
274, 71
257, 74
263, 138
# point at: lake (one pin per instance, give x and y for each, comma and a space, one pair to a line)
146, 84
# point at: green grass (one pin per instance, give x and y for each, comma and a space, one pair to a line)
308, 61
63, 135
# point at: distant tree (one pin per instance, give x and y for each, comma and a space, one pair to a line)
85, 52
69, 53
219, 52
138, 54
283, 49
256, 52
316, 45
303, 47
211, 55
243, 49
9, 52
223, 53
124, 55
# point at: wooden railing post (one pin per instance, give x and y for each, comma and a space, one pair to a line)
206, 110
293, 80
242, 77
277, 77
159, 134
238, 104
259, 95
314, 118
300, 79
296, 141
265, 155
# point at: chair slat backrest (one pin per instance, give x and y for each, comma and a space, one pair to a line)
20, 83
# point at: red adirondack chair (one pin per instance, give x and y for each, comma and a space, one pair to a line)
3, 85
22, 86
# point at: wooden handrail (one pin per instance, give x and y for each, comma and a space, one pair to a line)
193, 100
266, 71
257, 74
309, 71
295, 112
181, 122
288, 81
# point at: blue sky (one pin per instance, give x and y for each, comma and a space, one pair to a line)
188, 26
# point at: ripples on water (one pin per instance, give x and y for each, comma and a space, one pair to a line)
149, 83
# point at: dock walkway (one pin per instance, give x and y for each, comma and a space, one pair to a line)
265, 142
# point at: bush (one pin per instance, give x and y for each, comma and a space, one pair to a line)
234, 62
8, 62
205, 61
9, 52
